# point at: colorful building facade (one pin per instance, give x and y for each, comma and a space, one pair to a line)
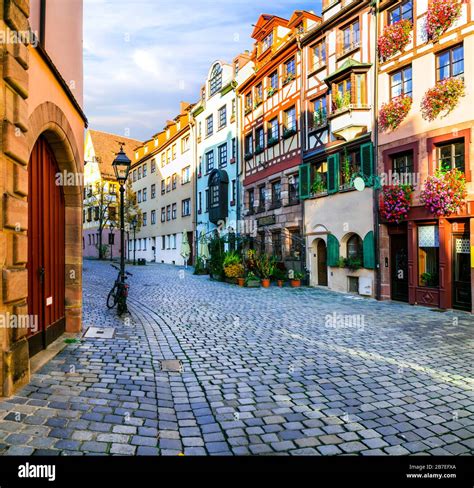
426, 259
270, 103
338, 170
42, 162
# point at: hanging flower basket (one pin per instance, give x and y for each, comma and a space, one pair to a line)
444, 192
442, 98
391, 114
395, 202
394, 39
440, 17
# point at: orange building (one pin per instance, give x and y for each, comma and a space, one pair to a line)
41, 160
271, 142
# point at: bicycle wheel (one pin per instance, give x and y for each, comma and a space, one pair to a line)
112, 297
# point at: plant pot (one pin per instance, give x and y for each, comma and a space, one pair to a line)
266, 282
241, 281
295, 283
280, 283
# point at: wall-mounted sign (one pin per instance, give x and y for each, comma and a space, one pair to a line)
268, 220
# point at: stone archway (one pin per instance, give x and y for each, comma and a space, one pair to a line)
48, 121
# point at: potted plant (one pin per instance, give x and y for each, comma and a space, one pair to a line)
429, 279
233, 267
295, 282
318, 186
252, 281
266, 268
279, 275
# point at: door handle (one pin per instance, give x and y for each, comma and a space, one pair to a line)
41, 273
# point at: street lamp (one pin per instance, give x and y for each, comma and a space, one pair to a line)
121, 167
134, 227
111, 240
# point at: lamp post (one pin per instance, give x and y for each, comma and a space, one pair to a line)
111, 240
121, 167
134, 227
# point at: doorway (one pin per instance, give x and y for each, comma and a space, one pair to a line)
399, 267
46, 248
320, 262
462, 298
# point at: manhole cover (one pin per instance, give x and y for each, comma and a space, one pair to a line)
172, 365
98, 333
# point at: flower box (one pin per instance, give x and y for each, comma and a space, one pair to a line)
442, 99
440, 16
394, 39
288, 132
395, 203
391, 114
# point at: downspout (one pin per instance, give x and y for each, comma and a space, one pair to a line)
378, 271
192, 125
238, 224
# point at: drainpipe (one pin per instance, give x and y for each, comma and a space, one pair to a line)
237, 166
192, 126
378, 271
303, 147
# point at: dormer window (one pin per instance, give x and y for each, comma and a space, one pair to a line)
215, 81
267, 42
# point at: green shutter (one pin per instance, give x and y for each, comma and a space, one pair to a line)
333, 250
305, 181
333, 173
369, 251
367, 161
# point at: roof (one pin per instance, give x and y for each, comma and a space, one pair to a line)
348, 65
106, 147
265, 24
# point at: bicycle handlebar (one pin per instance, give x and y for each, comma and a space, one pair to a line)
118, 269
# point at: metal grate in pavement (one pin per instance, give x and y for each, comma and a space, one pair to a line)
100, 333
172, 365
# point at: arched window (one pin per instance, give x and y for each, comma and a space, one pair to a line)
215, 80
355, 247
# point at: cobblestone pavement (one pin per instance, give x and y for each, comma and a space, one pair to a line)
264, 372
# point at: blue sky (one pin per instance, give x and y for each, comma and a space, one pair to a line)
142, 57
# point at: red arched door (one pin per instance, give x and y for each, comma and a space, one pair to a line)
46, 248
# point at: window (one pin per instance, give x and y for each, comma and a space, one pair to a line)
168, 242
215, 80
163, 187
163, 214
209, 161
185, 144
290, 119
320, 112
207, 200
234, 109
163, 242
153, 166
200, 202
168, 184
174, 151
262, 196
403, 11
276, 244
112, 189
174, 209
168, 156
173, 241
401, 83
451, 155
290, 68
139, 172
214, 196
450, 63
267, 42
350, 164
248, 102
273, 130
209, 125
354, 247
222, 117
273, 80
249, 145
186, 207
428, 255
276, 194
234, 148
144, 193
186, 175
293, 189
163, 160
174, 180
351, 37
319, 54
258, 94
153, 191
295, 243
222, 154
261, 242
145, 170
259, 140
134, 179
113, 214
153, 217
234, 191
145, 219
402, 163
139, 196
251, 199
168, 213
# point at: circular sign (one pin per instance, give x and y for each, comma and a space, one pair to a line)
359, 184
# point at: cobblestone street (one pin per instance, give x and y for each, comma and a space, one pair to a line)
264, 372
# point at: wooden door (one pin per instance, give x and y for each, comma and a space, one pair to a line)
46, 248
399, 267
322, 264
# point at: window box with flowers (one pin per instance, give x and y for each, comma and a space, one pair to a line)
272, 141
259, 150
248, 156
440, 16
258, 102
394, 39
288, 132
444, 192
442, 99
395, 202
392, 114
319, 119
288, 78
248, 109
271, 91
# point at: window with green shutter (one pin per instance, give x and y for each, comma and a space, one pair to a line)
333, 250
305, 181
369, 250
367, 161
333, 173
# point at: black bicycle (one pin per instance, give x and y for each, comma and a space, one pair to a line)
119, 293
